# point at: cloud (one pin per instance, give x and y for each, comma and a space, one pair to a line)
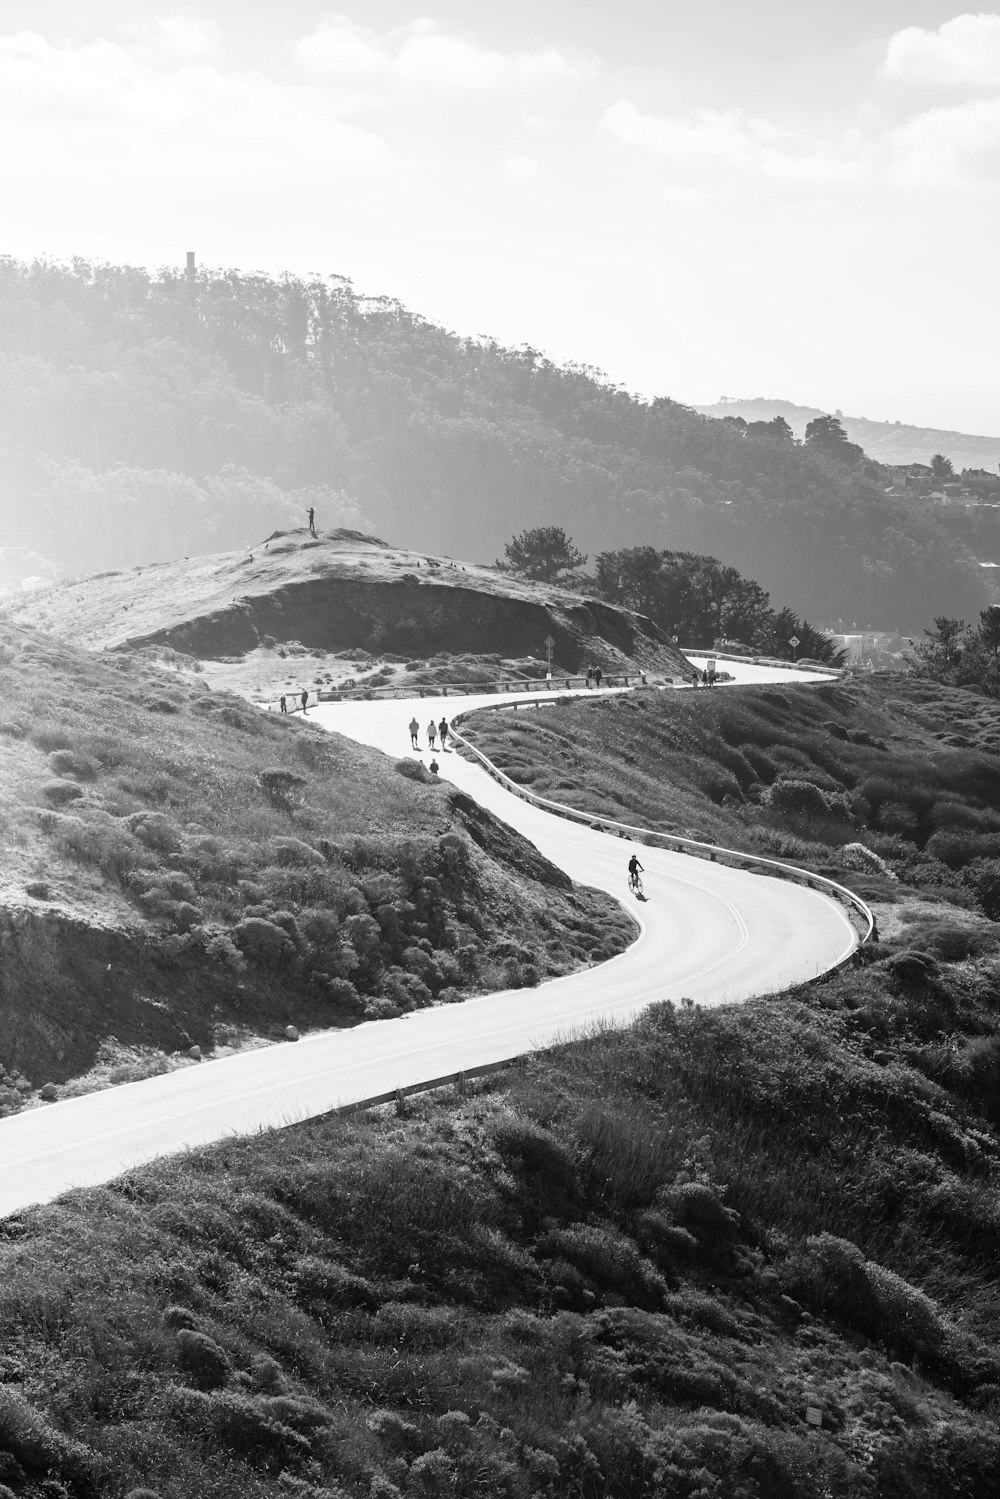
948, 146
182, 35
110, 113
420, 55
730, 139
519, 168
963, 53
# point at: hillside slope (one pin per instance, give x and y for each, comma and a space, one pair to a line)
340, 593
179, 867
886, 442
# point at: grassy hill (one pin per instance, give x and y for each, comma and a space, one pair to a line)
749, 1252
334, 607
886, 442
890, 785
739, 1254
182, 868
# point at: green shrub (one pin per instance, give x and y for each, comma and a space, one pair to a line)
415, 770
30, 1438
202, 1359
951, 942
292, 853
797, 798
404, 1325
261, 942
155, 830
607, 1257
697, 1207
283, 788
241, 1422
326, 1282
59, 793
70, 763
982, 877
959, 848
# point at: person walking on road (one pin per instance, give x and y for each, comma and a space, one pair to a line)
597, 678
305, 698
590, 676
434, 767
283, 704
432, 735
443, 731
414, 731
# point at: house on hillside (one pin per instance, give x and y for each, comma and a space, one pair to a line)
983, 481
911, 478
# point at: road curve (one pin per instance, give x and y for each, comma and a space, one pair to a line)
707, 933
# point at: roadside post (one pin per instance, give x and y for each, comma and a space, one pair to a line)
549, 646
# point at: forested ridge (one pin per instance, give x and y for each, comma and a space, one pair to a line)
144, 417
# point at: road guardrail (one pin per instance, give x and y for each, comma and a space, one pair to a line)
713, 853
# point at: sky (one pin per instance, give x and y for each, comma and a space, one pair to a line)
697, 197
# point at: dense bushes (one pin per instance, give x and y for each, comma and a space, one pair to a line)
629, 1267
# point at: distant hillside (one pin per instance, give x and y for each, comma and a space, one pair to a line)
143, 418
887, 442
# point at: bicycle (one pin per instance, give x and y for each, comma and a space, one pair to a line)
635, 883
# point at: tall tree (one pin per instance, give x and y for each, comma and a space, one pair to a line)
942, 468
542, 553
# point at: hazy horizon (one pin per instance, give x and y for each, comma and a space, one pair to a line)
699, 201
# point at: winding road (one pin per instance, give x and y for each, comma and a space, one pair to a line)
706, 932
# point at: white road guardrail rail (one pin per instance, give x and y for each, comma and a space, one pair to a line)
755, 863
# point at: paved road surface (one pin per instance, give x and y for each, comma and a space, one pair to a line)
707, 932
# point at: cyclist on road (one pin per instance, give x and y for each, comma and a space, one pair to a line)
634, 868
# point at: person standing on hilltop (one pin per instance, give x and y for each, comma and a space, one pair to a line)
414, 731
312, 520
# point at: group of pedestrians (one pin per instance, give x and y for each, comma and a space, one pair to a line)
303, 699
594, 675
434, 731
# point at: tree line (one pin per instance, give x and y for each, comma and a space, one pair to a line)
695, 600
144, 416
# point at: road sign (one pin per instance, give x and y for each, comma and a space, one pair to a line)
794, 642
549, 642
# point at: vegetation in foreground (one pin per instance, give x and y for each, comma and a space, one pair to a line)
740, 1254
891, 785
180, 862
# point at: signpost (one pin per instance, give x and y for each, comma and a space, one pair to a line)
549, 647
795, 642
